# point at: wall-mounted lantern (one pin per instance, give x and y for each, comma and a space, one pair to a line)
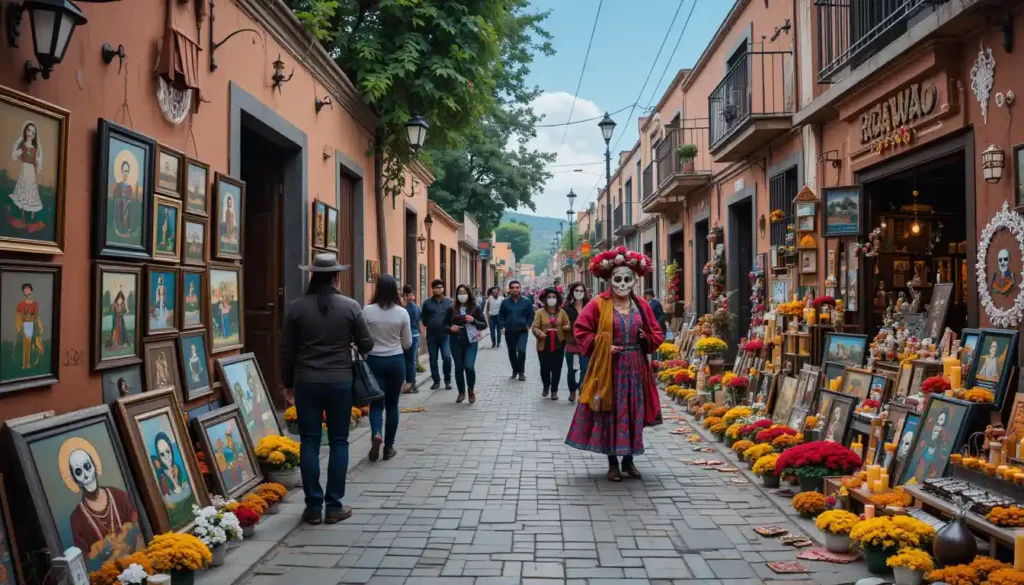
278, 77
422, 241
53, 23
319, 104
417, 129
992, 161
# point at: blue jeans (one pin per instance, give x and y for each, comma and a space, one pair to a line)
516, 341
494, 323
465, 365
442, 346
312, 403
390, 374
576, 383
410, 360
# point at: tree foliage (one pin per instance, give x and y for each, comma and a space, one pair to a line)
518, 237
571, 238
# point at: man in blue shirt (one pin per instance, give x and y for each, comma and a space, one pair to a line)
432, 317
516, 315
410, 354
656, 308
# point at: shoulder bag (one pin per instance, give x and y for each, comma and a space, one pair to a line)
364, 384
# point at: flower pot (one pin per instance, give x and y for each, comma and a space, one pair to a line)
219, 552
720, 438
274, 508
954, 544
183, 577
810, 484
807, 515
837, 543
248, 531
729, 441
907, 576
288, 478
715, 363
770, 480
750, 464
876, 557
293, 427
793, 480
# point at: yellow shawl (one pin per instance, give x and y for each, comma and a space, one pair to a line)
597, 388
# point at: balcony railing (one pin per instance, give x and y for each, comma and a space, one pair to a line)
618, 216
670, 163
760, 84
648, 181
599, 233
850, 31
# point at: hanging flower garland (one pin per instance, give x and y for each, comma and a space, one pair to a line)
674, 284
714, 272
757, 304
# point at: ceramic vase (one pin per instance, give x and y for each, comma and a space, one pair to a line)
907, 576
249, 531
289, 478
837, 543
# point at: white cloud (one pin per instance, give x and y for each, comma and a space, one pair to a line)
583, 144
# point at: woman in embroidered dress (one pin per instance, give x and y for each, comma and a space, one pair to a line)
26, 151
619, 397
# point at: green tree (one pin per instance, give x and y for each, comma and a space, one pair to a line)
571, 236
518, 237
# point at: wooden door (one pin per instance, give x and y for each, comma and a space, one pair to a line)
346, 243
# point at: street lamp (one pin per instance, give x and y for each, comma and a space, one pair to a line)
417, 130
607, 126
53, 23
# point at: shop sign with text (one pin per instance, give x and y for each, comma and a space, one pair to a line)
889, 116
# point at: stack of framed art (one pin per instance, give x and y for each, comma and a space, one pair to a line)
325, 227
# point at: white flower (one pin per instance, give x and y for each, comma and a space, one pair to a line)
133, 575
619, 259
606, 263
643, 262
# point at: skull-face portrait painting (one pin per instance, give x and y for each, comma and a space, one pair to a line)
1003, 280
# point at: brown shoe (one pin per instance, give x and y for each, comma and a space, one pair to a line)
312, 517
572, 397
631, 469
460, 399
472, 397
375, 447
335, 516
389, 453
613, 475
544, 394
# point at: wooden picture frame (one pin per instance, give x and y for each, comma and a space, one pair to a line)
122, 382
148, 442
170, 171
848, 349
983, 365
785, 399
1017, 154
121, 343
842, 212
806, 386
162, 315
166, 247
238, 374
876, 440
219, 315
203, 426
904, 443
318, 224
84, 439
921, 370
31, 235
766, 390
8, 540
193, 311
831, 371
856, 383
123, 197
228, 222
333, 231
30, 345
968, 344
936, 419
190, 228
163, 372
942, 294
197, 380
838, 416
197, 188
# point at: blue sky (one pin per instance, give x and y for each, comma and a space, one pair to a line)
628, 35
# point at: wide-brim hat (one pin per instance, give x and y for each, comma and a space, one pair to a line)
324, 262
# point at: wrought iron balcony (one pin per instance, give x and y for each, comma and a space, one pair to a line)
624, 225
851, 31
682, 166
648, 181
753, 104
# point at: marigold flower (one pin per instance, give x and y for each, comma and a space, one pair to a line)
914, 559
1011, 516
979, 396
757, 451
809, 503
765, 464
741, 446
954, 575
987, 565
178, 552
837, 521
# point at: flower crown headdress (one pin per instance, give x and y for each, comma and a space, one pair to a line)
602, 264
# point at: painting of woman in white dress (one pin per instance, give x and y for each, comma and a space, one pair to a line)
30, 156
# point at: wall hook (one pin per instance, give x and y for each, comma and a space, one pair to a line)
108, 52
215, 45
320, 103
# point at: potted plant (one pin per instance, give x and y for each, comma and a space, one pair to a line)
765, 467
216, 528
273, 493
883, 536
686, 152
811, 462
752, 454
179, 555
247, 519
740, 446
909, 566
255, 503
279, 459
291, 420
111, 572
809, 504
836, 526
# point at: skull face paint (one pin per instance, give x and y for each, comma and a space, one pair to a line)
622, 281
83, 470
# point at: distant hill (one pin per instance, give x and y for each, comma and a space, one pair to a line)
542, 231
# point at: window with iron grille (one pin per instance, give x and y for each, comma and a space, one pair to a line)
782, 189
628, 219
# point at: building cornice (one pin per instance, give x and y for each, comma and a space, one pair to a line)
437, 212
720, 34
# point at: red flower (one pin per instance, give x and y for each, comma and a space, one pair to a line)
246, 517
716, 379
934, 384
869, 403
769, 435
754, 345
824, 300
818, 454
683, 377
739, 382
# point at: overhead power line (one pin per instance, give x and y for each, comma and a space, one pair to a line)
583, 70
672, 56
633, 105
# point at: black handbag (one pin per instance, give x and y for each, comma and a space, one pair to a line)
365, 388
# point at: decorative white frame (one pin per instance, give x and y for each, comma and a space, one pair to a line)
1006, 218
982, 78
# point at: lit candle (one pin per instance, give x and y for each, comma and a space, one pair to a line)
955, 376
947, 366
857, 447
877, 486
1018, 552
874, 472
884, 479
869, 513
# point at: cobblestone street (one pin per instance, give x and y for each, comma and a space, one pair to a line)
489, 494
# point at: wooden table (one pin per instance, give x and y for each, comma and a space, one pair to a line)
996, 535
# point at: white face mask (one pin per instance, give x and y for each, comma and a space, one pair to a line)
552, 302
622, 281
463, 298
578, 295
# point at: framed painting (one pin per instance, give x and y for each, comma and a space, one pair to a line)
838, 415
193, 252
941, 295
332, 229
240, 375
122, 382
319, 224
805, 208
797, 417
229, 195
124, 189
161, 300
30, 313
895, 414
191, 301
784, 401
224, 298
808, 261
160, 450
902, 386
75, 475
842, 215
1018, 173
228, 451
879, 388
195, 364
117, 297
876, 440
995, 356
921, 370
845, 348
765, 388
806, 386
908, 431
166, 229
396, 269
197, 188
968, 343
10, 562
856, 383
942, 427
33, 180
170, 168
1015, 424
161, 360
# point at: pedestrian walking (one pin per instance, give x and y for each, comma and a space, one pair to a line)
432, 316
656, 308
388, 323
516, 316
320, 329
550, 326
619, 397
574, 305
462, 319
411, 354
492, 308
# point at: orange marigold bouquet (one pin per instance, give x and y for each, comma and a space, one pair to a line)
783, 442
718, 429
711, 421
740, 446
954, 575
757, 451
1006, 577
986, 565
1011, 516
272, 492
897, 497
809, 503
719, 412
979, 396
108, 573
255, 503
178, 552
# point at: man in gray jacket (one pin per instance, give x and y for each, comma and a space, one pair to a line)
432, 317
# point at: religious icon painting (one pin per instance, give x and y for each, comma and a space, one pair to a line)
124, 192
116, 313
240, 375
838, 416
33, 179
30, 313
856, 383
784, 401
197, 188
193, 286
161, 300
122, 382
994, 358
228, 451
170, 169
193, 251
79, 485
166, 229
160, 451
845, 348
968, 343
319, 224
10, 562
195, 364
161, 360
332, 229
942, 294
224, 299
229, 199
939, 434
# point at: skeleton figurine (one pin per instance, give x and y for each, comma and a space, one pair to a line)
915, 302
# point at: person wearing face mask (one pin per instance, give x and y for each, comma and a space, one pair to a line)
462, 319
619, 396
550, 327
573, 307
492, 308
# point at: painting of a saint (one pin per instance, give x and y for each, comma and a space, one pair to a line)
192, 283
195, 364
168, 467
27, 312
225, 307
29, 154
990, 363
242, 377
197, 185
935, 441
195, 242
125, 198
162, 299
319, 229
163, 371
229, 197
1003, 280
119, 293
166, 223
